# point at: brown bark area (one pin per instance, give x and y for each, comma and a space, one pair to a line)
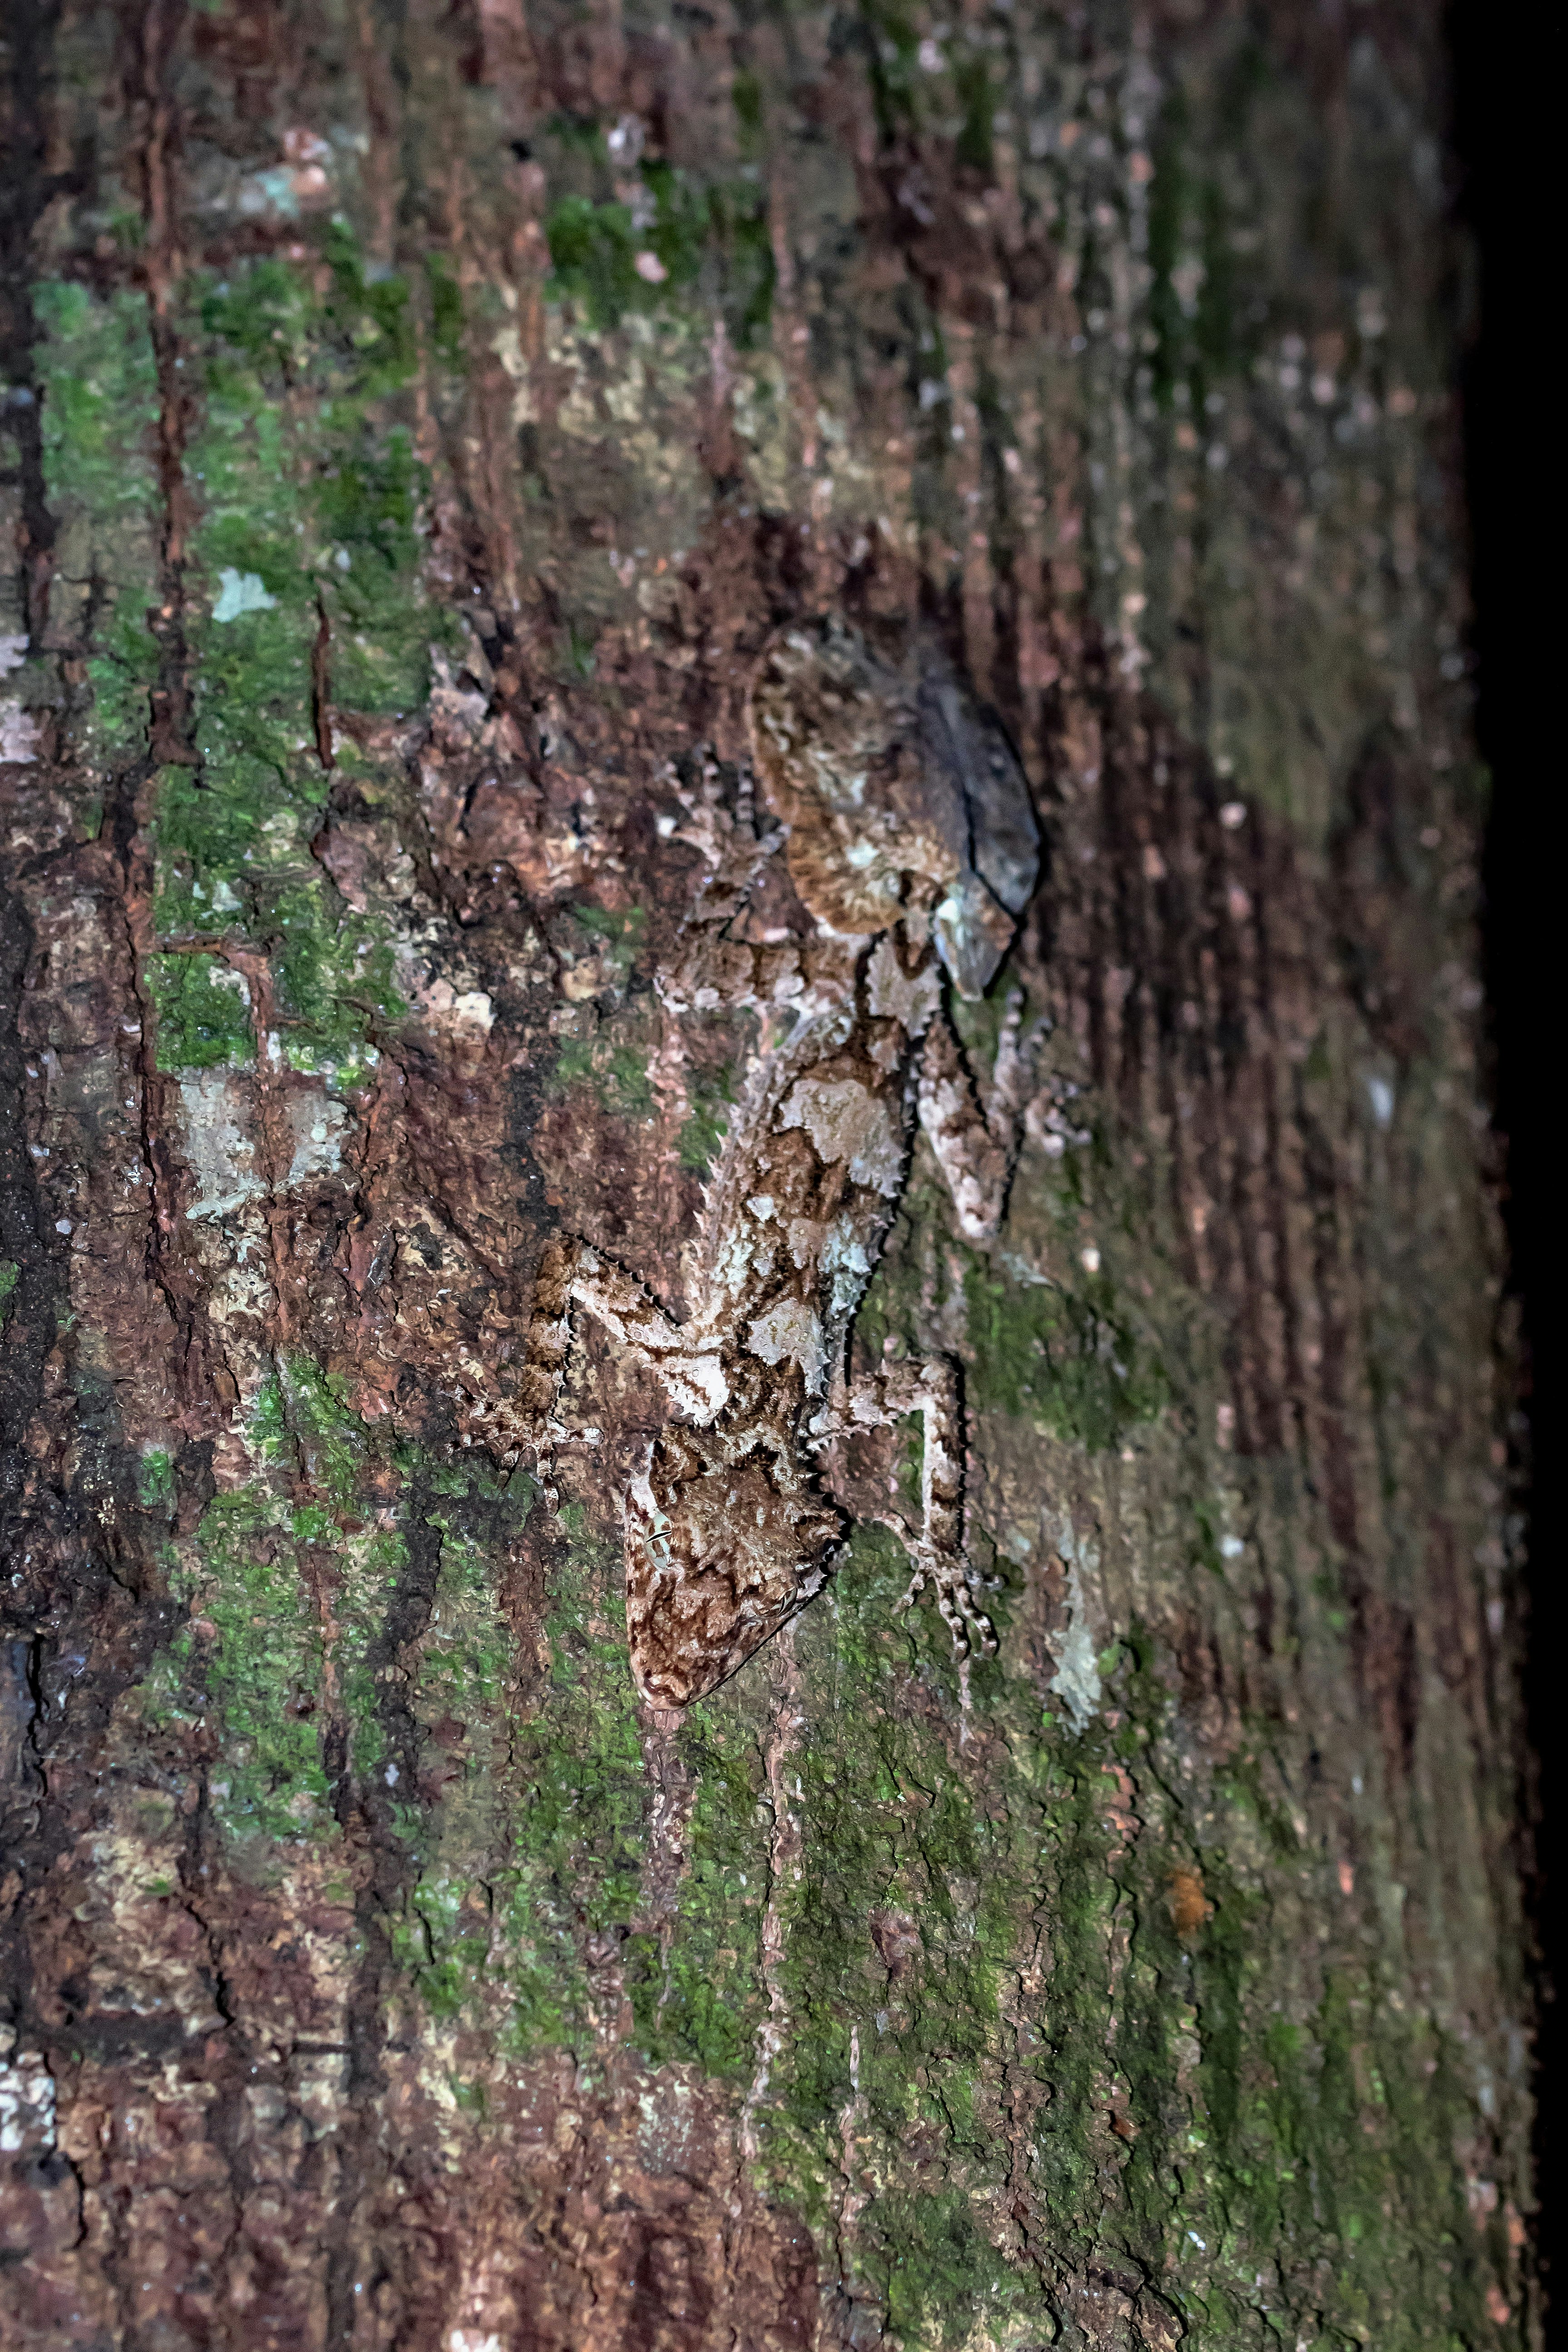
378, 1969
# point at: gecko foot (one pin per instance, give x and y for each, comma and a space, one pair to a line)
971, 1631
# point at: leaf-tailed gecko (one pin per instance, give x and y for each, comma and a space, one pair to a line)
910, 838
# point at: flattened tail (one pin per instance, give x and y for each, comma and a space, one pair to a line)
670, 1671
725, 1540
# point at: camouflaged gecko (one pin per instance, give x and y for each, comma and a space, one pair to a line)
910, 838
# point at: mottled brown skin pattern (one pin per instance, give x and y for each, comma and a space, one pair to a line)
1114, 362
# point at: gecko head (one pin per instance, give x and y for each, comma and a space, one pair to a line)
836, 738
726, 1537
902, 796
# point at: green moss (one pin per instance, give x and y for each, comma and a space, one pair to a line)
266, 1672
972, 78
367, 508
98, 384
1168, 200
331, 1443
613, 1062
1065, 1358
370, 1568
746, 96
155, 1481
594, 251
335, 985
204, 1013
446, 309
582, 1811
941, 2278
621, 933
292, 1598
1305, 2134
1331, 2135
887, 1827
268, 1431
1202, 2194
263, 1674
698, 1994
444, 1941
309, 539
466, 1650
572, 1869
101, 390
892, 41
1219, 1973
717, 232
1282, 2110
739, 225
1203, 328
614, 1074
9, 1270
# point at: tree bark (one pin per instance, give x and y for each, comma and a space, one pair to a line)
420, 419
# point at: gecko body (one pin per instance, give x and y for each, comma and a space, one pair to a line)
909, 839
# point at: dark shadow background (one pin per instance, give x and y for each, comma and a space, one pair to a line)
1503, 65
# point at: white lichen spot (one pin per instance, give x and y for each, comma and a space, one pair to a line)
219, 1149
19, 734
26, 2104
697, 1385
741, 1259
319, 1125
241, 592
454, 1008
1077, 1678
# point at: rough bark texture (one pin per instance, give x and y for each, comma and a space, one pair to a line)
418, 415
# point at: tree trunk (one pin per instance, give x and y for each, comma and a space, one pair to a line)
426, 421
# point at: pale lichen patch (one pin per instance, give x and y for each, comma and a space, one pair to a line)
219, 1135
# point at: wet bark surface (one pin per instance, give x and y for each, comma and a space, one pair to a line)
418, 420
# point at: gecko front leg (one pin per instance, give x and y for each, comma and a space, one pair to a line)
881, 1399
975, 1145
